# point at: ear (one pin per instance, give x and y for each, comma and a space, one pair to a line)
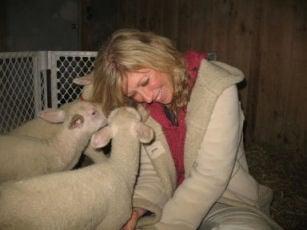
112, 113
102, 137
52, 116
144, 132
85, 80
76, 121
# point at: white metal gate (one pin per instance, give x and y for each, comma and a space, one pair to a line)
33, 81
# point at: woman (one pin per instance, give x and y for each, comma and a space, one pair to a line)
194, 175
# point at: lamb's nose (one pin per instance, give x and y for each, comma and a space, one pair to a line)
93, 110
147, 97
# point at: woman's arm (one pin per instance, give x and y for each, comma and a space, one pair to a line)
135, 215
212, 169
150, 194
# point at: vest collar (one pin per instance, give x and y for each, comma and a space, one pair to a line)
213, 78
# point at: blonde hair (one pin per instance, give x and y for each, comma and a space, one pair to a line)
129, 50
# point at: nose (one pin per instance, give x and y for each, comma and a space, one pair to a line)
147, 95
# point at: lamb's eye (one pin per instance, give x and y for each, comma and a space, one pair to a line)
94, 113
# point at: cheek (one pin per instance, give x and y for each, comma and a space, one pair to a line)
166, 82
169, 93
137, 98
156, 84
169, 86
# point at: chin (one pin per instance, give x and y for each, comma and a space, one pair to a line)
167, 102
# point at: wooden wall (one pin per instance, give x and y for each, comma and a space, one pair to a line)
267, 39
2, 26
98, 21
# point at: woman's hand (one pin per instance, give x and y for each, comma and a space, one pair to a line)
131, 223
135, 215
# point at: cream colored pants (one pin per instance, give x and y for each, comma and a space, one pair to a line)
224, 217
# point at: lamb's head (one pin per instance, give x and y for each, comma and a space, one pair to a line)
87, 82
81, 115
123, 118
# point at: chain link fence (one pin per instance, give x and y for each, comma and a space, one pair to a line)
33, 81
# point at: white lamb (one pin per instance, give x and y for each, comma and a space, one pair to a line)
40, 128
94, 197
25, 156
43, 129
88, 87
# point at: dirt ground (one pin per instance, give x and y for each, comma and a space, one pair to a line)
286, 174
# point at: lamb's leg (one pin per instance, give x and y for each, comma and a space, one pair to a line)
96, 156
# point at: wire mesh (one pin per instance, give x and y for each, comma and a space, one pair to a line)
33, 81
65, 66
17, 93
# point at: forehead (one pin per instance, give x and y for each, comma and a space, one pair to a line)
131, 79
139, 72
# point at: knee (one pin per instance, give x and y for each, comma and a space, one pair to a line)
236, 219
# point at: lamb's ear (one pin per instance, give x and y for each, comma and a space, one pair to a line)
113, 112
52, 116
144, 132
84, 80
76, 121
102, 137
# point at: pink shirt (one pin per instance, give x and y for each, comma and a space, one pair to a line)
175, 133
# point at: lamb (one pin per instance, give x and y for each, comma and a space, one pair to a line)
25, 156
40, 128
87, 82
94, 197
43, 129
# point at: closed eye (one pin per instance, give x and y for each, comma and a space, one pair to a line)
144, 82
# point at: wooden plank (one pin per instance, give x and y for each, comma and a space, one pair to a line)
154, 9
208, 24
170, 26
196, 25
184, 17
219, 30
3, 26
250, 96
85, 27
142, 18
274, 72
98, 20
295, 119
128, 14
240, 38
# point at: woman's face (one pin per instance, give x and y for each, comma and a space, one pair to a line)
148, 85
